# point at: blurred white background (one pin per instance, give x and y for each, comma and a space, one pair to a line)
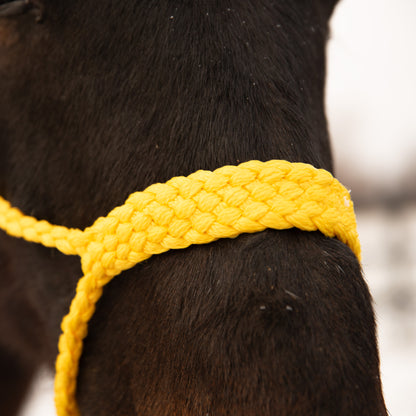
371, 106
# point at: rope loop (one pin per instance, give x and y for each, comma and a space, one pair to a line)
197, 209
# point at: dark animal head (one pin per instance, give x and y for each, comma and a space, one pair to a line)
155, 90
101, 98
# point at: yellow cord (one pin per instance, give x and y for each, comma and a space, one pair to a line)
197, 209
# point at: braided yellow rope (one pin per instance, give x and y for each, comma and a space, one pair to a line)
197, 209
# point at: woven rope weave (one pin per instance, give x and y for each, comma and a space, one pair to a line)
197, 209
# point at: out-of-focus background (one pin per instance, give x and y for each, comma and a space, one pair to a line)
371, 106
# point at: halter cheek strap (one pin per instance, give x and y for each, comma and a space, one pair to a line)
197, 209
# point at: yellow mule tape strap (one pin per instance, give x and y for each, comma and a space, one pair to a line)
197, 209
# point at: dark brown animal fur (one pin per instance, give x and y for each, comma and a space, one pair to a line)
106, 97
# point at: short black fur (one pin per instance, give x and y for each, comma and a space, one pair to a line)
104, 98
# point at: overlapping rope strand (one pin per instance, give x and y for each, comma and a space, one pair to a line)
197, 209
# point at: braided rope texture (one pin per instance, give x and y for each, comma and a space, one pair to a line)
197, 209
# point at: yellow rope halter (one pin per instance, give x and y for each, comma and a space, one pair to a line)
197, 209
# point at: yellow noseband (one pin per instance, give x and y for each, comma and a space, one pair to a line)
197, 209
